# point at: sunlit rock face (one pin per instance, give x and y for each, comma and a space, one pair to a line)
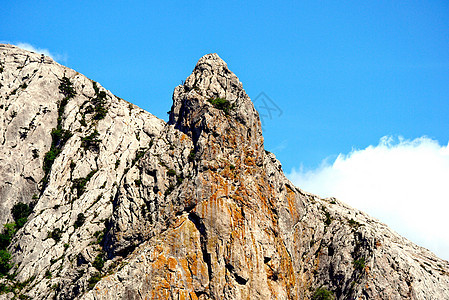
126, 206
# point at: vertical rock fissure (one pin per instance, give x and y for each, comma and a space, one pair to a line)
196, 220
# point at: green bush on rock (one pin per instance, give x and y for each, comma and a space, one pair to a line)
221, 104
5, 262
323, 294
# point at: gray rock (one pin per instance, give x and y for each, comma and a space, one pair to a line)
133, 207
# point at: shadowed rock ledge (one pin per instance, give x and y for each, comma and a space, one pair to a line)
126, 206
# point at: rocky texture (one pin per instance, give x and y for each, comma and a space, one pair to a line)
134, 208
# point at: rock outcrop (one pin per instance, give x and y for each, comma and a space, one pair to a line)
126, 206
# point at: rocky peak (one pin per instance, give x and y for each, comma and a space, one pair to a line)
213, 108
212, 85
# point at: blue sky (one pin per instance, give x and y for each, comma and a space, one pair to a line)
344, 74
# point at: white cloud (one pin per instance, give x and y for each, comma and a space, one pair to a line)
29, 47
403, 183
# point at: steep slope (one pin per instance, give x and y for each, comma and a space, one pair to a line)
129, 207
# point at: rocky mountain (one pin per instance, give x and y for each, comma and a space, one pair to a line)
102, 200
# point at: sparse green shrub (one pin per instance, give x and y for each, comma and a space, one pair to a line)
171, 172
79, 220
100, 112
4, 289
60, 136
72, 165
91, 141
99, 102
221, 104
323, 294
66, 87
20, 213
192, 155
5, 240
99, 235
98, 262
94, 279
49, 158
80, 183
6, 236
5, 262
137, 182
359, 264
328, 219
139, 155
56, 234
354, 223
48, 274
170, 189
21, 222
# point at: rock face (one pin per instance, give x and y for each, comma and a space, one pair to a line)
126, 206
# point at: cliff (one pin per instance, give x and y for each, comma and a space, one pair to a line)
106, 201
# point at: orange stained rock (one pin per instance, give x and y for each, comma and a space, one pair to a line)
367, 270
249, 161
160, 262
182, 295
159, 248
172, 263
160, 293
291, 199
187, 271
193, 296
236, 216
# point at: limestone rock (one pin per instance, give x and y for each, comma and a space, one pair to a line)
132, 207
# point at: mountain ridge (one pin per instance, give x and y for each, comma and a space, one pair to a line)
132, 207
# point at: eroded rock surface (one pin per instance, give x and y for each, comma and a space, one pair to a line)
135, 208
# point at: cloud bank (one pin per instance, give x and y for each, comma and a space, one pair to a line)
403, 183
29, 47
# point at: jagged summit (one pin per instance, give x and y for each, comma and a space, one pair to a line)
118, 204
213, 60
213, 90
